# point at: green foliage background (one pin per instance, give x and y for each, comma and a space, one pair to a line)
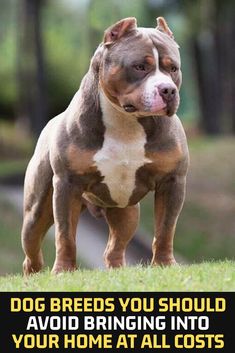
71, 32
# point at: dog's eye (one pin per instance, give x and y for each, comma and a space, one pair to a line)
173, 68
139, 67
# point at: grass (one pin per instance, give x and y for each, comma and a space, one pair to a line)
207, 276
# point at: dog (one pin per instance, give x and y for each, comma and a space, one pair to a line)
118, 139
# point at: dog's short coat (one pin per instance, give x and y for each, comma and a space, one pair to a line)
118, 139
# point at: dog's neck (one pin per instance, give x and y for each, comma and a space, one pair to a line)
94, 114
114, 117
120, 125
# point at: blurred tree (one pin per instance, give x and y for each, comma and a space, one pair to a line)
100, 15
32, 104
212, 28
7, 59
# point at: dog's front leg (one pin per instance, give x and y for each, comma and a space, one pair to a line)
122, 226
168, 204
66, 210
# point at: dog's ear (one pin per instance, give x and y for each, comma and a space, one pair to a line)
96, 59
163, 27
116, 31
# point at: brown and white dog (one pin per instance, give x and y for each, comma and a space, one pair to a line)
118, 139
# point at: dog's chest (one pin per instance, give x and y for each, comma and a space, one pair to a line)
121, 155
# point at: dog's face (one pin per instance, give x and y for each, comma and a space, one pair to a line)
139, 68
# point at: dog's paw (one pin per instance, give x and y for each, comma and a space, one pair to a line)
113, 260
114, 264
163, 261
30, 267
63, 267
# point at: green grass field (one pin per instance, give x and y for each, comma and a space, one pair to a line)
208, 276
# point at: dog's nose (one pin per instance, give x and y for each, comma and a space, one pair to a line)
167, 91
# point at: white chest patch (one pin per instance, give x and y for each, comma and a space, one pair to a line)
122, 153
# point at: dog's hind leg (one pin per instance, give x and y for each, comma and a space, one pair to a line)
38, 214
122, 223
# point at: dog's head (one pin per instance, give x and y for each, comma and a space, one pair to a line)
139, 68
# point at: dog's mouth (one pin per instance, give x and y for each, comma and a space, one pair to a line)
158, 110
129, 108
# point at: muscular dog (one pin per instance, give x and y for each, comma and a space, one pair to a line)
118, 139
